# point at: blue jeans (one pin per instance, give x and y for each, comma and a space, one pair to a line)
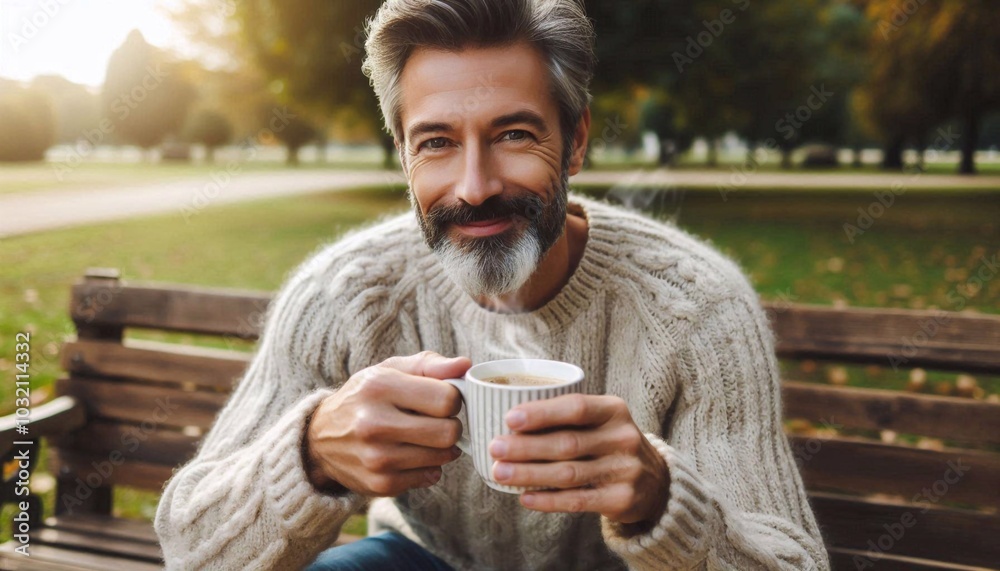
387, 551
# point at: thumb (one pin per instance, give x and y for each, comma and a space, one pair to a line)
430, 364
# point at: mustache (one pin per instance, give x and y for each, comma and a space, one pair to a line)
529, 206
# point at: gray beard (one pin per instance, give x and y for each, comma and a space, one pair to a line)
490, 266
484, 273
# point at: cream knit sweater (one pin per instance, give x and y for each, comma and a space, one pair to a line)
651, 314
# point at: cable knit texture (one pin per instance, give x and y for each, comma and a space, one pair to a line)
651, 314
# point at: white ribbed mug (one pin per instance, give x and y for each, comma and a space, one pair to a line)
485, 404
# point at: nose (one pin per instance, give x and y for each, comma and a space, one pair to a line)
478, 181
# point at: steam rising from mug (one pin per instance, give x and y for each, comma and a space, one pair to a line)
501, 263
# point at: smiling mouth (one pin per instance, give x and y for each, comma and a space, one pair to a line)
486, 227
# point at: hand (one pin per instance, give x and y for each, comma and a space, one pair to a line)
591, 450
389, 428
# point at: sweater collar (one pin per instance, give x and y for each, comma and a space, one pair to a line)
583, 285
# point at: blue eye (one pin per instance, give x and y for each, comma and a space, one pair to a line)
516, 135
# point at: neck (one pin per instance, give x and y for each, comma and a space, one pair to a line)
550, 276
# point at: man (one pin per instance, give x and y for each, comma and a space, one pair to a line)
674, 459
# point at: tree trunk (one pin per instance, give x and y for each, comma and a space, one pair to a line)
968, 164
321, 151
786, 158
713, 153
210, 155
388, 150
292, 159
892, 156
668, 152
751, 152
856, 158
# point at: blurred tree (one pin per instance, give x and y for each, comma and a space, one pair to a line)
715, 66
938, 61
788, 86
681, 51
990, 137
146, 96
840, 67
230, 79
311, 50
210, 128
660, 116
295, 132
77, 108
28, 122
615, 120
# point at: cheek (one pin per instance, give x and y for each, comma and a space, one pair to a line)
430, 181
528, 171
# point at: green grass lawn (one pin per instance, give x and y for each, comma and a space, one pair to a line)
918, 254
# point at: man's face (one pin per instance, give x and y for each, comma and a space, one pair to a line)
482, 142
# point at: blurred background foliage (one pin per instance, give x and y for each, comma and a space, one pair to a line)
678, 70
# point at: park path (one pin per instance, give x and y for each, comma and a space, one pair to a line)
35, 211
38, 210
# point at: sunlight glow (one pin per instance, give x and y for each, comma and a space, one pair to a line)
75, 38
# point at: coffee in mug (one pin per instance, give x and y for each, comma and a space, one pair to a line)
522, 380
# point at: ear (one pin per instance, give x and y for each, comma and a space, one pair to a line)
580, 143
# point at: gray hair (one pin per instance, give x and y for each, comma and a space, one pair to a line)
559, 28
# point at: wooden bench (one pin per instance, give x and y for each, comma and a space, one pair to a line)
863, 489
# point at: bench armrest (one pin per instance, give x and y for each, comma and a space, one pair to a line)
58, 416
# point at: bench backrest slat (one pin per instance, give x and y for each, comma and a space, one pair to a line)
158, 362
211, 311
953, 418
865, 467
908, 338
926, 531
137, 403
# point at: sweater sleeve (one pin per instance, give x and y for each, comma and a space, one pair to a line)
244, 501
736, 500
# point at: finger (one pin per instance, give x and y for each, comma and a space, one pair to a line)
422, 431
562, 444
430, 364
403, 457
567, 474
396, 483
423, 395
566, 410
611, 501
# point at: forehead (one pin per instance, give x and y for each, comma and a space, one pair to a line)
474, 83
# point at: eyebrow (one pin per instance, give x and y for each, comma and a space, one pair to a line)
524, 116
427, 127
